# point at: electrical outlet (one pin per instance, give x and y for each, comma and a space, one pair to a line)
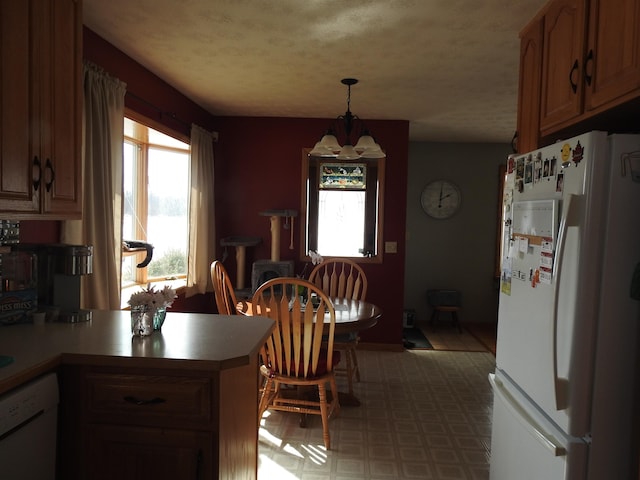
390, 247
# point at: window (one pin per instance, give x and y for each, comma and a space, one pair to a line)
156, 200
342, 204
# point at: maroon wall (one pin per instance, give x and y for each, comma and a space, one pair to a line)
258, 167
147, 94
39, 231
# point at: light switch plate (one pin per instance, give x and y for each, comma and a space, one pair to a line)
390, 247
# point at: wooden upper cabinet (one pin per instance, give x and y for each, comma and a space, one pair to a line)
63, 110
16, 149
612, 61
40, 88
529, 87
590, 69
562, 63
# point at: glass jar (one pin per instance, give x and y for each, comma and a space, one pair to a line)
142, 317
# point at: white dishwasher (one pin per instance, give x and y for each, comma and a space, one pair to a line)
28, 423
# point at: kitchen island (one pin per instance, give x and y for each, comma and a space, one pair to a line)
181, 403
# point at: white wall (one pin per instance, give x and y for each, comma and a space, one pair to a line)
458, 253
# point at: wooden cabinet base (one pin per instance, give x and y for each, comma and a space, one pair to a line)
118, 423
143, 453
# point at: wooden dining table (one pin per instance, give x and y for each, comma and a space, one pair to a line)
352, 316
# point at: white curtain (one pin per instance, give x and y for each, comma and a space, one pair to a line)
102, 157
201, 216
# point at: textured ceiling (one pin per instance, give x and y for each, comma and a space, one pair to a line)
450, 67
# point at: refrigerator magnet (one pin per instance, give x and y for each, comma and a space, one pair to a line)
546, 260
578, 153
528, 173
545, 276
536, 278
546, 245
523, 244
520, 168
505, 278
560, 182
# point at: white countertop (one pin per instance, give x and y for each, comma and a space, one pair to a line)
205, 341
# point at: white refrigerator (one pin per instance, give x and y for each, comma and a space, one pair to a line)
566, 374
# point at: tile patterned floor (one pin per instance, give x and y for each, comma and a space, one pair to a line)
425, 415
474, 337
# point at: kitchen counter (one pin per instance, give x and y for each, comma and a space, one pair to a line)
183, 400
199, 341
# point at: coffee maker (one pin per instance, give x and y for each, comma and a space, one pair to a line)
60, 269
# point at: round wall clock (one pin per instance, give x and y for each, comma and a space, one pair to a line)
440, 199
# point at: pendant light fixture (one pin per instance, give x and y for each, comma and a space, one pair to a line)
366, 147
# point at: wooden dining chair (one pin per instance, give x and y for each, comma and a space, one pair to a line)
299, 352
343, 278
223, 289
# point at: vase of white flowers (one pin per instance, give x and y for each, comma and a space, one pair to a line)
149, 308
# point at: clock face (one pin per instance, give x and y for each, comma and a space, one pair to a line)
440, 199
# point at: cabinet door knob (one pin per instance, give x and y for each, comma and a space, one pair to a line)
588, 61
36, 173
574, 85
49, 167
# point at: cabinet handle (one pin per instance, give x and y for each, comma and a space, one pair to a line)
48, 166
588, 61
574, 85
139, 401
36, 167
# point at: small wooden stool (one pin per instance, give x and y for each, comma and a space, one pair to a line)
445, 301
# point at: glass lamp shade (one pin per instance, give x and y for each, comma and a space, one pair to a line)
326, 147
368, 148
320, 150
364, 142
348, 153
330, 141
373, 152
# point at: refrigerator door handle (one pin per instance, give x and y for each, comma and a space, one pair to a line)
571, 218
547, 440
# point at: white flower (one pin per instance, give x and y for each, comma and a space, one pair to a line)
316, 258
152, 298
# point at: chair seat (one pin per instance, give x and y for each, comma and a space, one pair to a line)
444, 301
455, 322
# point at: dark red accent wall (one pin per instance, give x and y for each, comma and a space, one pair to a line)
258, 167
39, 231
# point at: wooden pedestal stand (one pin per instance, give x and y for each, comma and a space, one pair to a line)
241, 244
276, 225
